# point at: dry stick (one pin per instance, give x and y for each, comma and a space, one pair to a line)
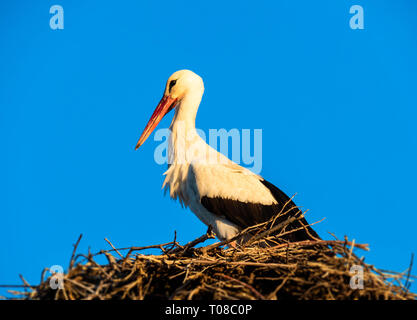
16, 293
26, 284
238, 263
79, 285
256, 292
90, 259
131, 249
15, 286
303, 227
221, 243
324, 242
239, 235
191, 244
282, 209
256, 237
43, 275
154, 246
108, 241
350, 252
174, 242
276, 228
299, 215
272, 220
279, 287
407, 282
73, 252
364, 246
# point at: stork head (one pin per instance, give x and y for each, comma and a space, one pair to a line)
179, 84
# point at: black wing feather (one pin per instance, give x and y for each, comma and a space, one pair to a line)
245, 214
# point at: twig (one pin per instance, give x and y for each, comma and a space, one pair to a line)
25, 283
174, 242
131, 249
111, 245
407, 282
256, 292
279, 226
73, 252
208, 235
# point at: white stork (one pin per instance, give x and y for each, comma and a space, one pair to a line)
219, 192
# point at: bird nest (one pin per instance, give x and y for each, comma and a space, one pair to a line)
322, 269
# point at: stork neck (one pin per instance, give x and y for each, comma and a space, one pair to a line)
186, 112
183, 131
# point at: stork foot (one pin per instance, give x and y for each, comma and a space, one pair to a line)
233, 244
209, 233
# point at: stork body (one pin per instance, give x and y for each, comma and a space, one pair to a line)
219, 192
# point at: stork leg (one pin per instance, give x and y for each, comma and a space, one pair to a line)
209, 233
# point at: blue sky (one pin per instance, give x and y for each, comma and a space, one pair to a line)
337, 108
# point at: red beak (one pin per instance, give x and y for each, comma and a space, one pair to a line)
164, 106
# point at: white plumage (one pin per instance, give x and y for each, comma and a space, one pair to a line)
219, 192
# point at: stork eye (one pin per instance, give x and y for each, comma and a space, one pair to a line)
171, 84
